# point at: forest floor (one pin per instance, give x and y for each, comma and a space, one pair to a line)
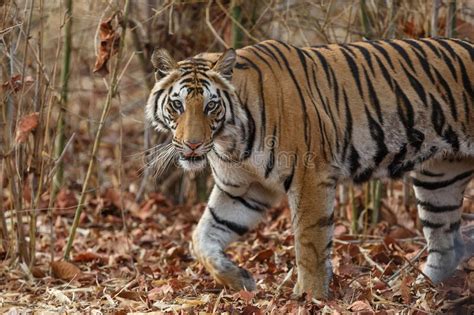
146, 266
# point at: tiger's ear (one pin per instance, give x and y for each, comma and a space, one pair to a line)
163, 63
225, 64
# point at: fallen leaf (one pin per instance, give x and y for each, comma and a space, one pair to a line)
16, 83
359, 306
251, 310
90, 256
263, 255
109, 43
65, 270
405, 289
37, 272
131, 295
66, 199
25, 125
246, 296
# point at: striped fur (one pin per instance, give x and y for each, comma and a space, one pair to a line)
297, 121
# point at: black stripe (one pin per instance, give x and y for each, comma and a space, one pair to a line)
453, 227
466, 107
406, 114
404, 55
431, 174
374, 100
289, 178
430, 45
271, 158
437, 116
449, 62
416, 46
425, 66
268, 52
256, 53
307, 127
466, 45
465, 80
251, 204
431, 225
262, 107
353, 160
250, 137
447, 89
328, 245
452, 138
377, 133
354, 71
427, 206
384, 53
396, 169
443, 251
326, 221
325, 64
234, 227
388, 78
441, 184
348, 129
231, 106
220, 228
416, 85
366, 53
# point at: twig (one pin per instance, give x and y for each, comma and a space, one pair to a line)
211, 28
65, 73
60, 158
105, 110
408, 264
451, 19
434, 17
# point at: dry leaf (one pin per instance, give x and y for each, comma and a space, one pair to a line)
263, 255
65, 270
251, 310
90, 256
37, 272
26, 125
66, 199
359, 306
16, 83
109, 43
131, 295
405, 289
246, 296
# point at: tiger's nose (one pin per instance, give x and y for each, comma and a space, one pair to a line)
193, 145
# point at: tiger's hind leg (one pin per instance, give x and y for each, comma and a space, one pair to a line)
439, 189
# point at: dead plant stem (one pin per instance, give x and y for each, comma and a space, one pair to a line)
111, 92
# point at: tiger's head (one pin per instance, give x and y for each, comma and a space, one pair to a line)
195, 101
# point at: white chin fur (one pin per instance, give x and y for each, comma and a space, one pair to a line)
193, 165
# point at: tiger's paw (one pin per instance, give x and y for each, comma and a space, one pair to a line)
236, 279
225, 272
309, 292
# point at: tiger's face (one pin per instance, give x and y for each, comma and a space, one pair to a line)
192, 99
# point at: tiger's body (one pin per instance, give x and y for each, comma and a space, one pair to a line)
296, 121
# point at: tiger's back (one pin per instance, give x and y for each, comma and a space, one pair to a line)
369, 108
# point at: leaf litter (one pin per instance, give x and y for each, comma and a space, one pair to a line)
148, 267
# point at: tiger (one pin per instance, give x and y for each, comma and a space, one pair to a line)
274, 120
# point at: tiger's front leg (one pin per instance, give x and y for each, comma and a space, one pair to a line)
226, 218
312, 220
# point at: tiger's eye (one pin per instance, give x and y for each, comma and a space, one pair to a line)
177, 105
211, 106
